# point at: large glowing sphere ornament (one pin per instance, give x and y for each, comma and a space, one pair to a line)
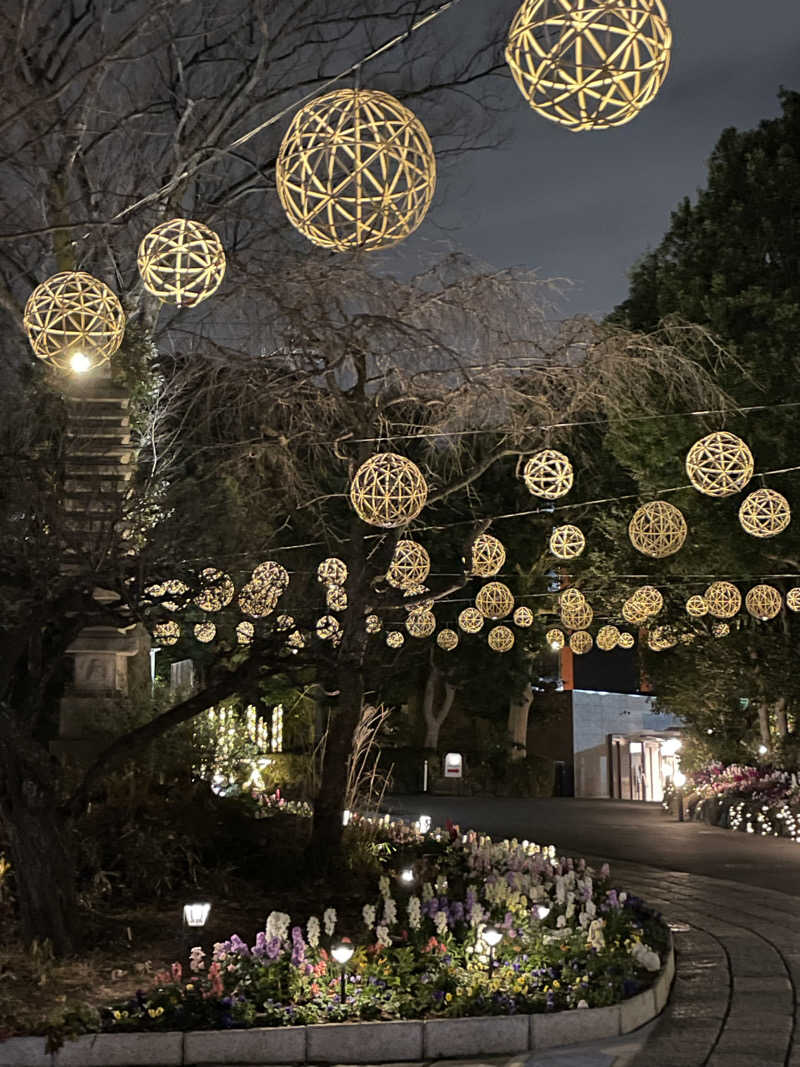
271, 574
181, 262
421, 623
723, 600
410, 565
74, 321
257, 599
719, 464
166, 633
394, 639
696, 607
488, 556
388, 490
548, 474
576, 615
470, 621
555, 639
567, 542
332, 571
657, 529
763, 602
607, 638
329, 629
581, 642
245, 632
501, 639
633, 612
373, 624
335, 598
447, 640
589, 64
523, 617
205, 632
648, 598
765, 513
356, 169
494, 600
217, 590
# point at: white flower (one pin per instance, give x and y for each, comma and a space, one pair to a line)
384, 886
440, 922
329, 918
218, 953
312, 931
414, 913
368, 913
389, 912
595, 936
427, 892
570, 909
561, 922
478, 915
278, 925
622, 897
645, 956
591, 909
583, 1004
383, 938
196, 957
584, 920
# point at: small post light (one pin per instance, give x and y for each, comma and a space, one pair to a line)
762, 750
679, 778
492, 936
541, 911
196, 914
424, 824
346, 816
407, 875
342, 952
79, 363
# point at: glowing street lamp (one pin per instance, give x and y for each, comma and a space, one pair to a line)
407, 875
342, 952
492, 936
762, 750
679, 780
196, 915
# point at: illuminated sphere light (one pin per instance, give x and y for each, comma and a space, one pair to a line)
720, 464
283, 622
793, 599
388, 490
501, 639
166, 633
356, 169
723, 600
633, 612
556, 639
181, 262
720, 629
657, 529
661, 638
607, 638
626, 640
271, 574
173, 587
567, 542
589, 64
332, 571
696, 607
548, 474
328, 628
410, 565
577, 616
765, 513
205, 632
494, 600
571, 597
245, 632
648, 598
421, 623
488, 556
763, 602
394, 639
296, 640
581, 642
217, 591
336, 598
470, 621
447, 640
373, 624
523, 617
257, 601
74, 321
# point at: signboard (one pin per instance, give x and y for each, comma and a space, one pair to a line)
453, 765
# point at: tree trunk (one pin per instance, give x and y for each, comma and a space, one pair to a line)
433, 718
518, 711
781, 723
763, 724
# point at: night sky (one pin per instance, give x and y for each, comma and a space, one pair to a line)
586, 206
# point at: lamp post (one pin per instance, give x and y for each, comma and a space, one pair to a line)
492, 936
342, 952
679, 778
193, 917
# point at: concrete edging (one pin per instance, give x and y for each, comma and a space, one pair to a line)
389, 1042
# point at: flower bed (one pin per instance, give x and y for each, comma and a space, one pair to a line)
756, 800
569, 940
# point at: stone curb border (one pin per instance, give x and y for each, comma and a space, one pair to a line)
351, 1043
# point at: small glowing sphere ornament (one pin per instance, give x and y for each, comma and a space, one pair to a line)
296, 641
388, 490
74, 321
181, 262
589, 64
763, 602
501, 639
581, 642
257, 600
332, 571
421, 623
217, 591
719, 464
205, 632
494, 600
723, 600
648, 599
793, 599
657, 529
661, 638
607, 638
633, 612
245, 633
567, 542
523, 617
488, 556
555, 639
284, 622
696, 607
356, 170
373, 624
166, 633
447, 640
410, 565
577, 616
720, 629
548, 474
626, 640
329, 629
470, 621
394, 639
765, 513
335, 598
271, 574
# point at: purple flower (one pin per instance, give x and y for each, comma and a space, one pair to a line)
238, 946
457, 911
259, 949
298, 947
273, 948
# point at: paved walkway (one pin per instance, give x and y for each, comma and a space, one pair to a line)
735, 998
